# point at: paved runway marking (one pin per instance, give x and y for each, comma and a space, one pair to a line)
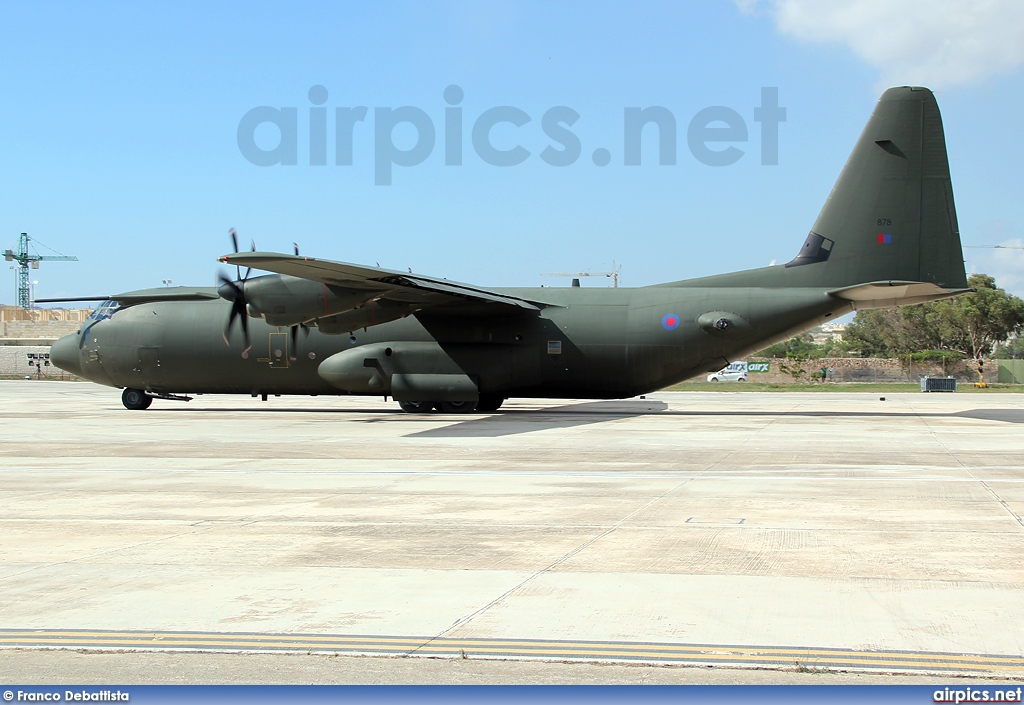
694, 654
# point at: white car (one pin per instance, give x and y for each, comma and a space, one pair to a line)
727, 375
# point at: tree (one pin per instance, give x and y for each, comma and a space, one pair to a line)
793, 366
975, 323
971, 324
798, 347
1014, 349
892, 332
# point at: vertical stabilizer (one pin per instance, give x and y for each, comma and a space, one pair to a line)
890, 216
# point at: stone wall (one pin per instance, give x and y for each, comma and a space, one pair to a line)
14, 362
870, 369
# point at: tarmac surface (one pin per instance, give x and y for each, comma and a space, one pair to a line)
827, 537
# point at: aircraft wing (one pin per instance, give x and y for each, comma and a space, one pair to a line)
145, 296
398, 286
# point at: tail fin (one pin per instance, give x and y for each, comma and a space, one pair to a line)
890, 216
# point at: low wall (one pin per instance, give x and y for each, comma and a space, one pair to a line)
870, 369
14, 361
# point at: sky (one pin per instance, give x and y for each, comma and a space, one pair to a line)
130, 133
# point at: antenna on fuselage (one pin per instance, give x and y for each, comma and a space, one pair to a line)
614, 274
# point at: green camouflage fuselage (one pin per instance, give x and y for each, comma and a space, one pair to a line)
598, 343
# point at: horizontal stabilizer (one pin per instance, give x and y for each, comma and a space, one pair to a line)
894, 293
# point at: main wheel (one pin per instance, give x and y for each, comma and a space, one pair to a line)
714, 379
135, 399
416, 407
456, 407
489, 402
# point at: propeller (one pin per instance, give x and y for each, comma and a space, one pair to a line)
234, 291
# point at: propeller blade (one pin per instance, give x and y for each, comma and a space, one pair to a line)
238, 311
229, 290
234, 292
245, 330
234, 243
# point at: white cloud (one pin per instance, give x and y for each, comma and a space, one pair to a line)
934, 43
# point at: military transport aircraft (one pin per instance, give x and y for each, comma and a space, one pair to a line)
886, 236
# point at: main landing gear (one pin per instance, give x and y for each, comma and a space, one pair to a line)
135, 399
487, 402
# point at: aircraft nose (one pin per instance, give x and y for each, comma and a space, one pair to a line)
64, 354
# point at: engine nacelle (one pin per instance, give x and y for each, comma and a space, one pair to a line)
407, 371
286, 301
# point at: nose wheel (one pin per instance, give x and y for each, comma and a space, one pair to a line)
135, 399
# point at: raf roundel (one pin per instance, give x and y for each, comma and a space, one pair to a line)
670, 321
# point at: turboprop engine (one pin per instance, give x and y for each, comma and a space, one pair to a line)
287, 301
407, 371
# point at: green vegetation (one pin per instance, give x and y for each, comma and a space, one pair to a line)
968, 326
943, 332
800, 348
1013, 350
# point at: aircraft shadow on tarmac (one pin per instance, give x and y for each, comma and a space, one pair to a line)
512, 422
571, 415
515, 421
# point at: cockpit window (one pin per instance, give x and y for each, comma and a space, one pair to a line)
104, 310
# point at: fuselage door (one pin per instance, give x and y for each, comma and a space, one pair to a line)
149, 366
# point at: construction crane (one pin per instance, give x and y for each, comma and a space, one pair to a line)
614, 275
26, 260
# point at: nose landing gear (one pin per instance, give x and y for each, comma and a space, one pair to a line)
135, 399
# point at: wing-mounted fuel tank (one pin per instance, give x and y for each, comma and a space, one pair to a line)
286, 301
407, 371
725, 325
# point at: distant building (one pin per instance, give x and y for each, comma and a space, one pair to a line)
38, 326
828, 333
17, 313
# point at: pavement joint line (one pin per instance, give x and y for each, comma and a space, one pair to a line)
582, 547
965, 468
612, 475
525, 648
